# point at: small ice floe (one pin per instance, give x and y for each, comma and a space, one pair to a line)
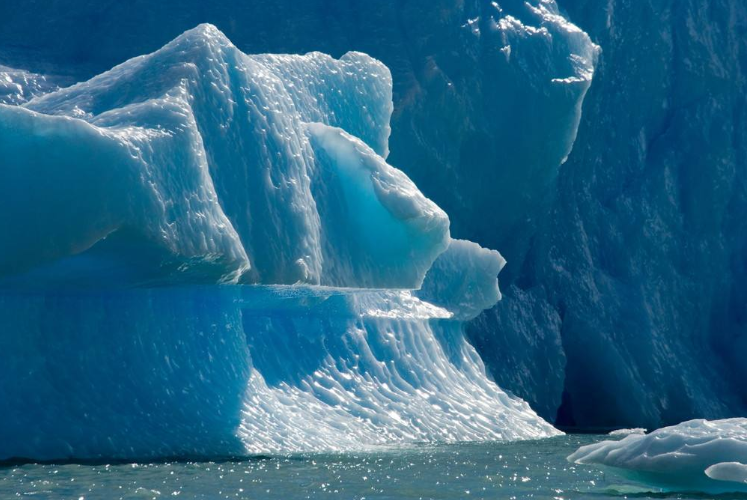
628, 432
698, 455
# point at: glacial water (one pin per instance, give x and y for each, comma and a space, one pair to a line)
527, 469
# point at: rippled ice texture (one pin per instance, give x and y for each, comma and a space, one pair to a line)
217, 371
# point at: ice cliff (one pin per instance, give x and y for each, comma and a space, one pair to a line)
206, 254
641, 260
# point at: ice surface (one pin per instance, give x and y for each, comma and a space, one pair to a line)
698, 455
230, 370
198, 163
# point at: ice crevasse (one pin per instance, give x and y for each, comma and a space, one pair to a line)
205, 253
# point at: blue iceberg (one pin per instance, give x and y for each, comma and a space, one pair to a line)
206, 254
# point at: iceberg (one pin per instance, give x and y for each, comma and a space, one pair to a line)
698, 455
206, 254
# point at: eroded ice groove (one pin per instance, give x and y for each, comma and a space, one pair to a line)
215, 371
394, 373
698, 455
194, 164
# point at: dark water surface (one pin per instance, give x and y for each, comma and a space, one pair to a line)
530, 469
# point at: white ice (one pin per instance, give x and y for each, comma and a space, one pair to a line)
698, 455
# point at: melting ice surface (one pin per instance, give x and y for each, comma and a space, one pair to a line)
699, 455
206, 254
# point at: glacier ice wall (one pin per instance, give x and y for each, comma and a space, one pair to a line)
626, 304
643, 253
629, 302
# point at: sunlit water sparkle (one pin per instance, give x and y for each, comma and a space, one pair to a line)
530, 469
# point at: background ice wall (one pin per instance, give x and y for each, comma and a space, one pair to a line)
643, 256
635, 280
635, 277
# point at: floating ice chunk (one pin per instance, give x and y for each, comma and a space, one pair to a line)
698, 455
734, 472
628, 432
